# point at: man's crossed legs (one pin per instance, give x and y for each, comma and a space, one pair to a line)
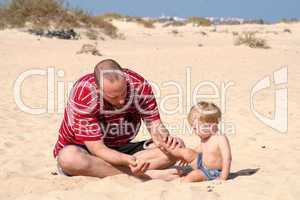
75, 160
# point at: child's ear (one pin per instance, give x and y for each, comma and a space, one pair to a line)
214, 128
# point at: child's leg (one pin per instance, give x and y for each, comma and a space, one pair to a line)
194, 176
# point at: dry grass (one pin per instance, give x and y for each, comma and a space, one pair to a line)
145, 23
254, 21
199, 21
287, 30
175, 32
249, 39
201, 33
174, 24
112, 16
51, 13
235, 33
106, 27
37, 12
2, 19
288, 21
92, 34
89, 49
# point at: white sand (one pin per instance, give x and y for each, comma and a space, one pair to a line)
27, 140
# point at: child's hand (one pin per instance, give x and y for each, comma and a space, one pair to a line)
183, 163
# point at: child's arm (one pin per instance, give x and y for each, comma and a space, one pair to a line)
198, 149
187, 154
226, 156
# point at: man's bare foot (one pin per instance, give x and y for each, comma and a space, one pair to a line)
166, 174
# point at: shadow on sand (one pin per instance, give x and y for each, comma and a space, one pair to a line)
243, 172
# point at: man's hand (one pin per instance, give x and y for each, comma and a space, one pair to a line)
129, 160
174, 142
161, 137
137, 167
159, 141
140, 168
167, 142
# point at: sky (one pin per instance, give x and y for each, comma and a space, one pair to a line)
269, 10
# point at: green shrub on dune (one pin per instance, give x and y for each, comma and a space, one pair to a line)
50, 13
112, 16
146, 23
249, 39
199, 21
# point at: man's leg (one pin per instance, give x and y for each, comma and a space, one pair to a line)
157, 159
163, 174
159, 163
76, 161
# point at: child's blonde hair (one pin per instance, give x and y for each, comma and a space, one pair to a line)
205, 112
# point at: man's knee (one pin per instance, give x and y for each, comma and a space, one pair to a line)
72, 159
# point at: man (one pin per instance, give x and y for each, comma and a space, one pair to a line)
103, 114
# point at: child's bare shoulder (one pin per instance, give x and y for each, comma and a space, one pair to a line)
218, 137
198, 148
222, 139
222, 136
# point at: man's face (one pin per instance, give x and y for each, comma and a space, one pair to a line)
115, 92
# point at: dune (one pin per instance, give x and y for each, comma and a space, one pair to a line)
265, 164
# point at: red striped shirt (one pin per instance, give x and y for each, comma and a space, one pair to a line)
89, 118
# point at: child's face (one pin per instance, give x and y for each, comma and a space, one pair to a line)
204, 130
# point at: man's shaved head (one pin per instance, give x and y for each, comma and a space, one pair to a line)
108, 69
111, 81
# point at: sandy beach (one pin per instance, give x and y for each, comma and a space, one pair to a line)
28, 169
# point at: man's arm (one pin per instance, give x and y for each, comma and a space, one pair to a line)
150, 114
158, 132
160, 136
111, 156
226, 156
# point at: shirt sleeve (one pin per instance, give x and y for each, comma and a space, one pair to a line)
147, 104
82, 113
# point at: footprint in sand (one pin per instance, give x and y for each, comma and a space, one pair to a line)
38, 155
2, 151
8, 144
21, 138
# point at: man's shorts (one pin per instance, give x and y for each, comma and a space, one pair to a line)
130, 149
